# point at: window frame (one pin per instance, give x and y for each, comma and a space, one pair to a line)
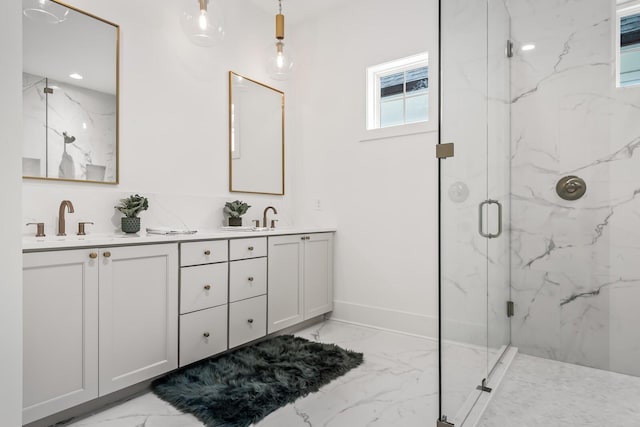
623, 9
377, 72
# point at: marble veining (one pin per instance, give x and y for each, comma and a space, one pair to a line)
540, 392
89, 116
396, 386
574, 272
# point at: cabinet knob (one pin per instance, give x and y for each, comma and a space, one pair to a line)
250, 321
206, 335
207, 252
308, 238
207, 287
303, 238
250, 248
107, 254
93, 255
250, 279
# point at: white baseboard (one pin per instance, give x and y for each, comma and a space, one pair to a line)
386, 319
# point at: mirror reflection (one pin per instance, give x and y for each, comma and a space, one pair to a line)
70, 94
256, 137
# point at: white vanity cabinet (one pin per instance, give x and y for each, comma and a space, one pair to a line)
204, 281
96, 321
247, 290
300, 278
138, 314
60, 324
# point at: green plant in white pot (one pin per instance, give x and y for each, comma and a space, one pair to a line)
131, 207
235, 210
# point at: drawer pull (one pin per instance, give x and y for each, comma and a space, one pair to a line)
250, 248
207, 287
303, 238
107, 254
207, 252
250, 321
93, 255
250, 279
206, 335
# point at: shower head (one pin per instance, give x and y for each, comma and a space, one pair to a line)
68, 139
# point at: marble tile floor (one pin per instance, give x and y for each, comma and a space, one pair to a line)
540, 392
396, 386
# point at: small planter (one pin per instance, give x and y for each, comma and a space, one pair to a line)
235, 222
130, 225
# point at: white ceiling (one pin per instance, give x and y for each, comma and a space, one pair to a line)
297, 11
80, 44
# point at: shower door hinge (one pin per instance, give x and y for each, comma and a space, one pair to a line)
444, 150
443, 422
48, 90
483, 386
509, 49
510, 309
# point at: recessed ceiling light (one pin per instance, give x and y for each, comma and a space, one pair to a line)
76, 76
527, 47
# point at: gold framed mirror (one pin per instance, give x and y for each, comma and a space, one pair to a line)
70, 94
256, 137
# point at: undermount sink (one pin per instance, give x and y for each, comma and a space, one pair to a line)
247, 229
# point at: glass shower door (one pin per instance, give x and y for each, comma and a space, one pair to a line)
464, 264
474, 194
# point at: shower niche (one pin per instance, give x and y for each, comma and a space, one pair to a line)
70, 94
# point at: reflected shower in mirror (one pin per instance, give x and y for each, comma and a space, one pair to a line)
256, 137
70, 94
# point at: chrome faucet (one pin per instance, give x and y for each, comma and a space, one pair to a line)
264, 215
65, 204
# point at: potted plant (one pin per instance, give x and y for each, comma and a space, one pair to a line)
235, 210
131, 207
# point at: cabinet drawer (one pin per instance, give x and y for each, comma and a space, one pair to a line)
247, 248
196, 253
203, 286
247, 320
202, 334
247, 278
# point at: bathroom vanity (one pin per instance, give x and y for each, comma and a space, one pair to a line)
108, 312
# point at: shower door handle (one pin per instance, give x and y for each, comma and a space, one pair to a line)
481, 219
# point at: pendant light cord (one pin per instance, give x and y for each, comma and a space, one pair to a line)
280, 6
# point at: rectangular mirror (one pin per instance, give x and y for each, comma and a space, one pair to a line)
70, 94
256, 137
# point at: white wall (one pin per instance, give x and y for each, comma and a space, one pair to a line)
174, 134
381, 193
173, 121
10, 215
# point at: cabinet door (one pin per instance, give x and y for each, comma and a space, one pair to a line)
318, 275
138, 314
60, 338
285, 293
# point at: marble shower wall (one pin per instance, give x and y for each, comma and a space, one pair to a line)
575, 265
85, 114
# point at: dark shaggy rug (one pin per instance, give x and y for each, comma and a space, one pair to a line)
240, 388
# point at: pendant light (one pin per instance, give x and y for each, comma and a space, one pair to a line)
279, 62
202, 21
44, 11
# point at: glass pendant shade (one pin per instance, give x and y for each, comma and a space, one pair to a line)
280, 61
202, 21
44, 11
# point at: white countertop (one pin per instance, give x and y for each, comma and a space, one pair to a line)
35, 244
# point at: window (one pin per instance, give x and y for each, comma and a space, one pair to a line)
398, 92
629, 44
